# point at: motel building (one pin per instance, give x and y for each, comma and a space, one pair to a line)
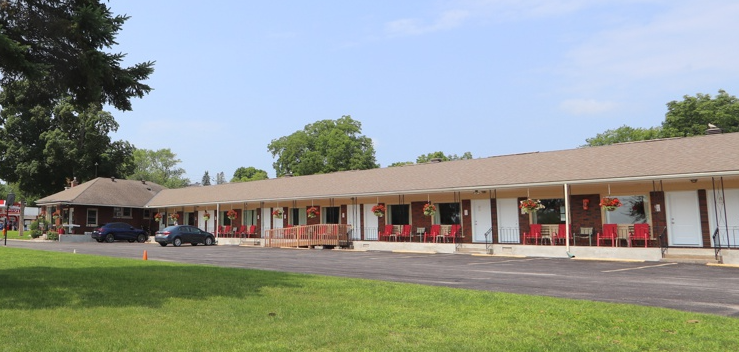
648, 200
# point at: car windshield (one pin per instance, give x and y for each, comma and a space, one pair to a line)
170, 228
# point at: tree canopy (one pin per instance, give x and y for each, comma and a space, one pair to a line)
322, 147
206, 179
688, 117
246, 174
61, 44
159, 167
435, 155
56, 74
42, 148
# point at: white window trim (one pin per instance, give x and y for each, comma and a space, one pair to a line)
87, 217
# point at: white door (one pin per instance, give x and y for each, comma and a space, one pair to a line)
266, 221
727, 214
683, 219
508, 231
277, 223
370, 222
481, 221
352, 219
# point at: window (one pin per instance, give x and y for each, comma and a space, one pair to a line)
633, 211
331, 215
224, 219
147, 213
553, 212
399, 214
250, 217
448, 213
92, 217
120, 212
298, 216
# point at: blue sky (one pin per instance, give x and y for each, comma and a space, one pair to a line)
490, 77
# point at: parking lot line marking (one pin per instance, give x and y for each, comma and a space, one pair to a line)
638, 268
504, 261
514, 273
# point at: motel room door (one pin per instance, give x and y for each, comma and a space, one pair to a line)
508, 231
683, 219
481, 220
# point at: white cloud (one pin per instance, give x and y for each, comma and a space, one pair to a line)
689, 40
413, 26
586, 106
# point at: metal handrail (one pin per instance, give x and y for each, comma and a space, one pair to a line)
663, 241
716, 244
489, 244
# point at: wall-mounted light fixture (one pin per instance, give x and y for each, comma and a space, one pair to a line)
657, 208
476, 192
694, 180
585, 204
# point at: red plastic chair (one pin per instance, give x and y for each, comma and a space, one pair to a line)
252, 231
453, 233
241, 231
405, 233
227, 231
432, 234
641, 233
387, 233
533, 234
560, 235
610, 233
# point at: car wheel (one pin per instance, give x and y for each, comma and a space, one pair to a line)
163, 244
209, 241
141, 238
109, 238
177, 242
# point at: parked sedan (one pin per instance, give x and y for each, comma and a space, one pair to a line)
179, 234
116, 231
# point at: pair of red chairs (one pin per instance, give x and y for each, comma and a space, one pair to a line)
610, 233
534, 235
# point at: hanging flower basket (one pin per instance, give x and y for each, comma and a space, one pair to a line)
158, 216
530, 205
231, 214
55, 215
610, 204
277, 214
313, 212
174, 217
379, 210
206, 216
429, 209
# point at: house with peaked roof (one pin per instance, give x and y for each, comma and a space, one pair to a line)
677, 193
88, 205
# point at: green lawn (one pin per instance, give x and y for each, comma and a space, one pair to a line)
72, 302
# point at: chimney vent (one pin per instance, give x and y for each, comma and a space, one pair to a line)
712, 129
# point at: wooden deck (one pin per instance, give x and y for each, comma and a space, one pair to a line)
325, 235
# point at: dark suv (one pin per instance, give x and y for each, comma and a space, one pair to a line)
116, 231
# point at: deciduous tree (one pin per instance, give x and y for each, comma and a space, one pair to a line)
159, 167
322, 147
246, 174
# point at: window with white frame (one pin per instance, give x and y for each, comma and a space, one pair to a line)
633, 211
399, 214
121, 212
92, 217
147, 213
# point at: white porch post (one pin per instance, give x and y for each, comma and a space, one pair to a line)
567, 216
215, 223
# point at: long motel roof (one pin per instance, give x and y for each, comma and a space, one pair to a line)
689, 157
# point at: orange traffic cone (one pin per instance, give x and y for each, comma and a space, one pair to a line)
146, 257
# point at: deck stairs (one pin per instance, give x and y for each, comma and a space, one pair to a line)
691, 256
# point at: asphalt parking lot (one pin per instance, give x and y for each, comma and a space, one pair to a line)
687, 287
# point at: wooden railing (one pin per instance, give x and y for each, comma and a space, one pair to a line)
331, 235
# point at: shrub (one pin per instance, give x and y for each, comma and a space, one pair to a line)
38, 227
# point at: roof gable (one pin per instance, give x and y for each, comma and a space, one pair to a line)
106, 192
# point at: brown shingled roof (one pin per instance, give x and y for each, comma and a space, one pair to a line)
655, 159
106, 192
